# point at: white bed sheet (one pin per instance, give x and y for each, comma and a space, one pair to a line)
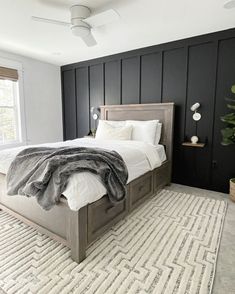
161, 152
84, 188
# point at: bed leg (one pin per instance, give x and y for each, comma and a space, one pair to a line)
77, 234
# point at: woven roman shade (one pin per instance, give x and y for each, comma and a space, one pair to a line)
8, 74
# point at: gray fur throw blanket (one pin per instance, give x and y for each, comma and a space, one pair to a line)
43, 172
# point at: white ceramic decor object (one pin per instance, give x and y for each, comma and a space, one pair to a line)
194, 139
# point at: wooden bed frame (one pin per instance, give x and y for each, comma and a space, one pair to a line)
78, 229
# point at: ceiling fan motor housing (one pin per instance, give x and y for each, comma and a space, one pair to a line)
78, 26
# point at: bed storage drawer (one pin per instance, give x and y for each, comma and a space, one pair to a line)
102, 214
141, 188
161, 176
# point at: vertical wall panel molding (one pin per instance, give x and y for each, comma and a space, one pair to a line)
104, 82
201, 79
112, 82
214, 107
89, 94
162, 68
151, 77
174, 85
186, 89
96, 88
140, 74
82, 101
69, 104
121, 81
130, 80
198, 69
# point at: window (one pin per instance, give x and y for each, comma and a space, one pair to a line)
10, 123
9, 113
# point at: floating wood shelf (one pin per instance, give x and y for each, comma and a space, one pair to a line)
190, 144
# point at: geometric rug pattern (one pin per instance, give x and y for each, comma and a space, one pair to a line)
167, 245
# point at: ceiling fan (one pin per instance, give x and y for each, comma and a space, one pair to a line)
229, 4
82, 21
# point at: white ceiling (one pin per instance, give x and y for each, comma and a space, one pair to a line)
142, 23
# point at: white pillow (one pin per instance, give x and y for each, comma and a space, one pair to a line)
158, 133
107, 132
114, 123
143, 130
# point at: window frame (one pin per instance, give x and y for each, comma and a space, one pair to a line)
20, 103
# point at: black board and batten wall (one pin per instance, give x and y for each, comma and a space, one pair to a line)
199, 69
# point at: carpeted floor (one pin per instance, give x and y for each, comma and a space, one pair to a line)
168, 245
225, 270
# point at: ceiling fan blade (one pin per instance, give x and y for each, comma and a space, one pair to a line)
51, 21
230, 4
102, 18
89, 40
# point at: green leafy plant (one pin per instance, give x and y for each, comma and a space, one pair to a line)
228, 133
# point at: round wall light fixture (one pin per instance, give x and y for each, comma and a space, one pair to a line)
196, 116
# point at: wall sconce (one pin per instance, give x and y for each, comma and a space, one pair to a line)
95, 113
196, 116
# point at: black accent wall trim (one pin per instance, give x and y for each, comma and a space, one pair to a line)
198, 69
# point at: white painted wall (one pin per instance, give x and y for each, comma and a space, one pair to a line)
42, 99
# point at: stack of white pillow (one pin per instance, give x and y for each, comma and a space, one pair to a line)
147, 131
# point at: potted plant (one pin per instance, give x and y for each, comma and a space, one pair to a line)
228, 133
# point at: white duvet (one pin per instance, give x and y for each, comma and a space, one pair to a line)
84, 188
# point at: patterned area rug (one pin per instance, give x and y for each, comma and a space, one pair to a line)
168, 245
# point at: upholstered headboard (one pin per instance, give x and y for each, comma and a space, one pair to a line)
164, 112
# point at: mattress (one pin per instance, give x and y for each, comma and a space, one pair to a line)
84, 188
